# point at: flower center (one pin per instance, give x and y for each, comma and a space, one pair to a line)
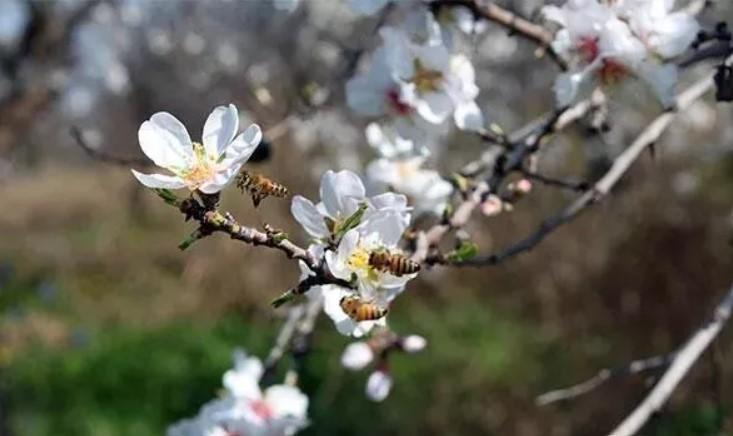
261, 409
588, 48
425, 80
611, 72
358, 262
395, 103
202, 168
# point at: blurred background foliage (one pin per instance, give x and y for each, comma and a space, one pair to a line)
107, 329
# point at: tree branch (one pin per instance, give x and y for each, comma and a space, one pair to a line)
682, 363
601, 188
515, 23
604, 375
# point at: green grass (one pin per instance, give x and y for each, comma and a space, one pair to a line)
137, 381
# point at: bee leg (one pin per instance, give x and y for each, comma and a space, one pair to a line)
257, 198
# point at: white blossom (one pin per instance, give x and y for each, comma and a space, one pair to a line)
608, 41
378, 385
247, 410
286, 5
342, 193
350, 262
425, 189
207, 166
413, 343
433, 81
357, 355
416, 82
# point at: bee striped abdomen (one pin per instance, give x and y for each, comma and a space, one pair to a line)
260, 187
395, 264
359, 311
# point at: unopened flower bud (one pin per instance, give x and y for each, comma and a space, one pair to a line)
492, 206
357, 355
378, 385
413, 343
523, 186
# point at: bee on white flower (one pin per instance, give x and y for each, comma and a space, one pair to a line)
208, 166
351, 261
245, 409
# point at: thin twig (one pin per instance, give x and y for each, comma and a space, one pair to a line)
686, 357
551, 181
601, 188
510, 20
603, 376
100, 155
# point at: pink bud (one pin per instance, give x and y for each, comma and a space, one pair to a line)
492, 206
523, 186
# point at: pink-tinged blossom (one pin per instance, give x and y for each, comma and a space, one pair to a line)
245, 409
607, 41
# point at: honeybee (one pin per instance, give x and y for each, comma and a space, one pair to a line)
359, 311
395, 264
260, 187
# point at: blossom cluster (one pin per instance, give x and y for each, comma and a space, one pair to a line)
245, 409
605, 41
348, 227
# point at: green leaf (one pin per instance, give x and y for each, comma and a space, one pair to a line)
169, 197
285, 297
465, 251
350, 222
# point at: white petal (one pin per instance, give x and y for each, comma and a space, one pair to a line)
306, 213
163, 147
662, 78
367, 7
286, 401
172, 125
243, 380
159, 181
468, 116
389, 201
357, 355
341, 192
220, 179
243, 146
219, 129
378, 386
332, 307
389, 225
567, 86
434, 107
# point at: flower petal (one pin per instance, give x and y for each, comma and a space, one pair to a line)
243, 146
166, 148
219, 129
286, 401
306, 213
159, 181
341, 192
468, 116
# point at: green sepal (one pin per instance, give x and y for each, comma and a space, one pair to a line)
350, 222
169, 197
285, 297
465, 251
